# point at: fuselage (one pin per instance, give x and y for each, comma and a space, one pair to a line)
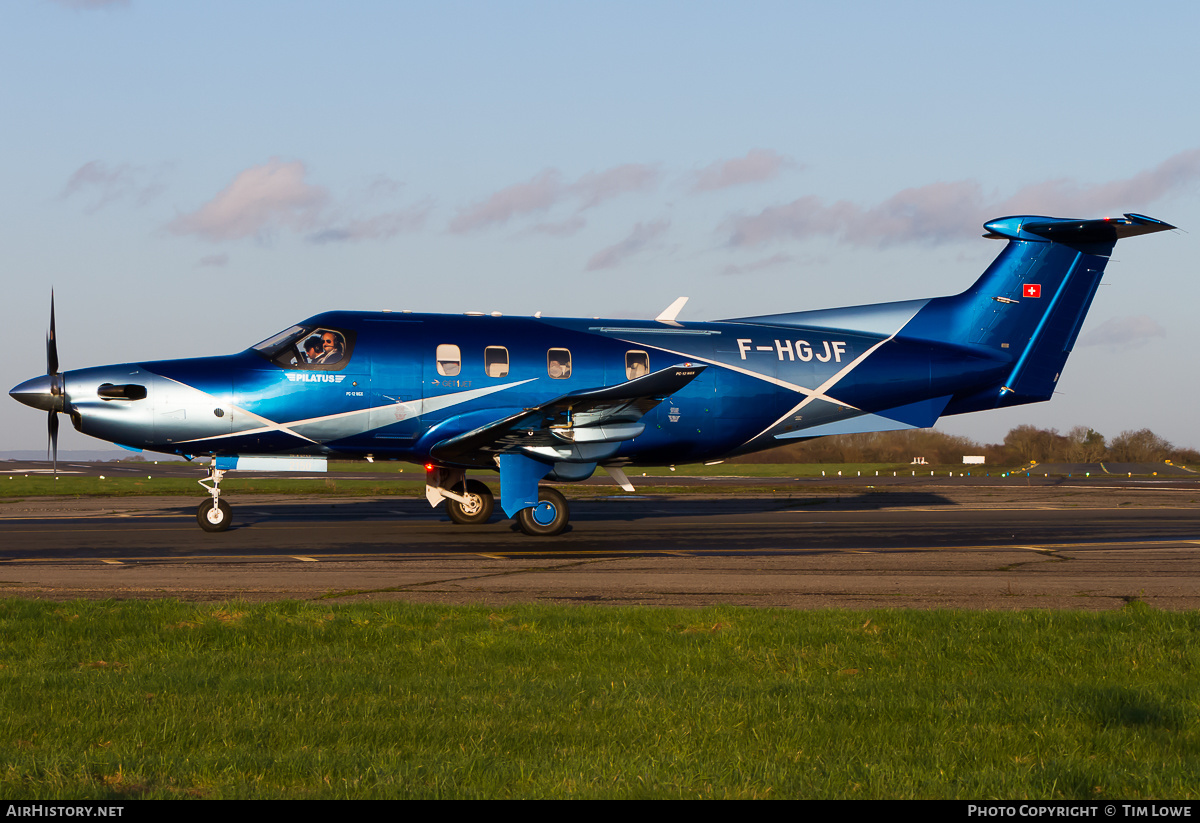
403, 382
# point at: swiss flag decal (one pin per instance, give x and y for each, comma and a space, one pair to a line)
1033, 290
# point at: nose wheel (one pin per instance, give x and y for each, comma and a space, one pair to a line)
214, 515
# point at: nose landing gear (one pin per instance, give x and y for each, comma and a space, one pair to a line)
214, 515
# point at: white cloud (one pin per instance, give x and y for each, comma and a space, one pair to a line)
378, 227
1064, 197
1130, 330
275, 196
539, 194
546, 190
758, 166
260, 200
940, 212
642, 236
596, 187
108, 184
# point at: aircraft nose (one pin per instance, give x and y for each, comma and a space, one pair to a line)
40, 393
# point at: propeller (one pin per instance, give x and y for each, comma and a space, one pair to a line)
56, 390
48, 392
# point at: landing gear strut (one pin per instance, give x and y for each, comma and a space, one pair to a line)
214, 515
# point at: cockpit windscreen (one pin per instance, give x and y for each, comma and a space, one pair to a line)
316, 348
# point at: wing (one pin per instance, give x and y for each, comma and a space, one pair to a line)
604, 415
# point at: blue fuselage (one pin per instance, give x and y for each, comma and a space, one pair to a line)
405, 382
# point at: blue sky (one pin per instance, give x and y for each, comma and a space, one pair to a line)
192, 177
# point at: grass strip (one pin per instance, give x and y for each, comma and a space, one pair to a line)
151, 486
164, 699
404, 480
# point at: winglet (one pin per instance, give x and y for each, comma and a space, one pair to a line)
672, 311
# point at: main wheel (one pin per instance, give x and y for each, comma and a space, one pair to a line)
214, 517
478, 507
548, 518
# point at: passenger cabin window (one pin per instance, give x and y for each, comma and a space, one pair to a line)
637, 364
558, 363
449, 360
315, 348
495, 361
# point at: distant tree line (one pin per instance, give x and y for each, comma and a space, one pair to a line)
1021, 445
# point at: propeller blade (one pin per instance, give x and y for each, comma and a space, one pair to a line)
51, 342
52, 428
56, 389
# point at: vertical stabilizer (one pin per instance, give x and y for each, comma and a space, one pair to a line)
1031, 302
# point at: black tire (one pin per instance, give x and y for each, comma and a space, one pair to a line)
479, 510
548, 518
214, 518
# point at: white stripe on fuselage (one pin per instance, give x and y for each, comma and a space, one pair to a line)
814, 394
819, 394
422, 406
269, 425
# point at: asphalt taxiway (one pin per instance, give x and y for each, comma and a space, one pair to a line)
847, 544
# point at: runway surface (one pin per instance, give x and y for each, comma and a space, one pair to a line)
851, 545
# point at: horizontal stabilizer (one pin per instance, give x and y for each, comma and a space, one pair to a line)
920, 415
1106, 230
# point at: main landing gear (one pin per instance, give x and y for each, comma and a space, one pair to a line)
470, 502
214, 515
548, 518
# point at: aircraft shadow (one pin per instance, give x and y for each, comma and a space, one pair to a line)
592, 509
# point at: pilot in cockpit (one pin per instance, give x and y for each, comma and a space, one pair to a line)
312, 348
331, 349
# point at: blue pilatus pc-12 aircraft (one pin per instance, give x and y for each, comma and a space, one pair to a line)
540, 398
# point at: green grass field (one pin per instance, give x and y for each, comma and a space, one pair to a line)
149, 485
167, 699
403, 479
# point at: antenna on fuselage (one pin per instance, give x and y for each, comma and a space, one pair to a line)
672, 311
